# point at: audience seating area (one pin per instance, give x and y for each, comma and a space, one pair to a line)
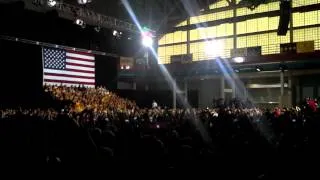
96, 127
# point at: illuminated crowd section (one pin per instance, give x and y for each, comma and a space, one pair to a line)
260, 31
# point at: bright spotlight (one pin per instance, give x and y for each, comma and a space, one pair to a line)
147, 41
51, 3
258, 69
80, 22
238, 59
147, 37
115, 33
127, 67
82, 2
214, 48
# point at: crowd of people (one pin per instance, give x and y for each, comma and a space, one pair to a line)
96, 126
97, 99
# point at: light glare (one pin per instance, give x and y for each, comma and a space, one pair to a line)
115, 33
52, 3
214, 48
147, 41
84, 1
238, 59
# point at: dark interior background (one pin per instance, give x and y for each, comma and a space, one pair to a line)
21, 64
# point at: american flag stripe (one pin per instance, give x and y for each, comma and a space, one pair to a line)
58, 72
80, 62
79, 59
80, 56
68, 84
82, 53
68, 67
71, 67
65, 75
71, 79
81, 65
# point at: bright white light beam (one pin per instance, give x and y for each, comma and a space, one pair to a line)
214, 48
147, 41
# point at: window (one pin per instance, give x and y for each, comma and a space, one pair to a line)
263, 24
211, 17
195, 34
183, 23
224, 30
211, 32
219, 4
274, 22
252, 25
299, 3
242, 42
269, 42
257, 25
252, 41
311, 18
176, 37
298, 19
165, 52
305, 19
263, 39
179, 36
260, 9
298, 35
169, 38
198, 49
308, 34
161, 55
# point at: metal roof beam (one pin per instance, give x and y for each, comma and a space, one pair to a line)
72, 12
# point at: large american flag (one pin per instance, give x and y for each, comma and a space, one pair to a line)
67, 67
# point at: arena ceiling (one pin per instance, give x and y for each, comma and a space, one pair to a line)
156, 14
159, 15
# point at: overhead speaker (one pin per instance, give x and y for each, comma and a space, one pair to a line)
285, 13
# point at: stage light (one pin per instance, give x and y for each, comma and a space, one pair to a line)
51, 3
82, 2
258, 69
147, 37
127, 67
238, 59
115, 33
214, 48
80, 22
147, 41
